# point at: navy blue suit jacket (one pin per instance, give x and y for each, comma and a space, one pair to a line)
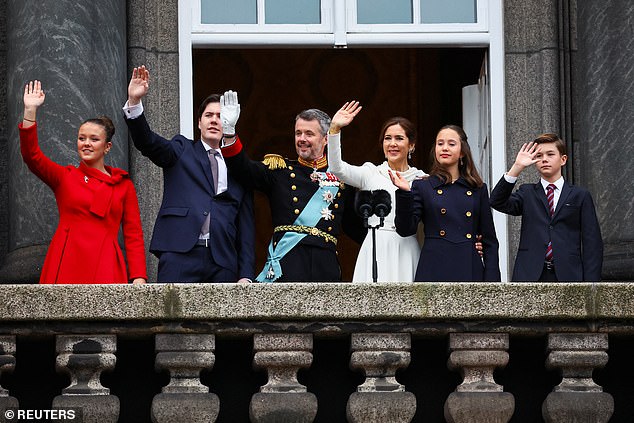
574, 231
188, 196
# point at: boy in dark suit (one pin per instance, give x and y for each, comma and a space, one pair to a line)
560, 237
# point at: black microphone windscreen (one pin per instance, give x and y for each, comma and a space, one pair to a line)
363, 203
382, 203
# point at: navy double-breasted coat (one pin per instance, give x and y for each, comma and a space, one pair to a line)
453, 215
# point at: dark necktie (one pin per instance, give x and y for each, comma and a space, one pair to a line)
213, 162
551, 207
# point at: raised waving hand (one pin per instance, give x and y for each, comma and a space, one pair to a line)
229, 112
525, 157
33, 98
344, 116
139, 85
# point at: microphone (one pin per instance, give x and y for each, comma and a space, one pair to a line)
363, 205
382, 202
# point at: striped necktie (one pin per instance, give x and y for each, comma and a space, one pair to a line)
551, 207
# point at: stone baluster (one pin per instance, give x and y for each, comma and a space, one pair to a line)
577, 398
84, 357
7, 365
185, 398
478, 399
283, 398
380, 398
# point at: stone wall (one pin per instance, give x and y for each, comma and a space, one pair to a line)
476, 352
606, 124
4, 212
153, 41
566, 71
533, 86
83, 74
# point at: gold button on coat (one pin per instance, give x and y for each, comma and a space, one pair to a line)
439, 192
290, 168
469, 236
293, 187
296, 211
295, 199
292, 175
443, 210
336, 206
468, 214
469, 193
442, 233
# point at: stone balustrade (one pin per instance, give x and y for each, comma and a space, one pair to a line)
321, 352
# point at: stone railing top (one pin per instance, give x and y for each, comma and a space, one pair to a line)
319, 302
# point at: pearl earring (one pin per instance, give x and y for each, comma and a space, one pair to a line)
461, 163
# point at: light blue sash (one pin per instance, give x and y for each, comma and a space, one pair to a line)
308, 217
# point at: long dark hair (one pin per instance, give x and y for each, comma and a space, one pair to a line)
467, 168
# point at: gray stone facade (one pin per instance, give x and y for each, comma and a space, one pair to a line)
567, 71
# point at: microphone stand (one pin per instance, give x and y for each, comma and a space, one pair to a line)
369, 203
375, 266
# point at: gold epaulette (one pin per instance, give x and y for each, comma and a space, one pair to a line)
274, 161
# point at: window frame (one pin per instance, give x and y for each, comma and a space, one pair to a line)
481, 24
488, 33
325, 27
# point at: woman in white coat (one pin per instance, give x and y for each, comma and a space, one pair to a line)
397, 256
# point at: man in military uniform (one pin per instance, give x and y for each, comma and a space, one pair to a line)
307, 203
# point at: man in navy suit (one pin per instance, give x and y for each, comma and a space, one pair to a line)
204, 231
560, 238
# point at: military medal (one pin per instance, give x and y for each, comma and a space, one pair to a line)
326, 214
270, 274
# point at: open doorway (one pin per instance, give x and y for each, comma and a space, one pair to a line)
421, 84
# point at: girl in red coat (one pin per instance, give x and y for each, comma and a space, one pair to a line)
93, 200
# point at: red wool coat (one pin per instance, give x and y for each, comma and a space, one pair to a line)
92, 207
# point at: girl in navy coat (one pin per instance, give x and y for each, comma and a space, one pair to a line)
453, 204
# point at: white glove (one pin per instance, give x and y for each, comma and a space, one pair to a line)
229, 112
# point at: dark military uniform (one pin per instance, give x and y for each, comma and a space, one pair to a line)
452, 214
290, 185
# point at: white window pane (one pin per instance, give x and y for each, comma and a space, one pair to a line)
443, 11
384, 11
228, 12
292, 11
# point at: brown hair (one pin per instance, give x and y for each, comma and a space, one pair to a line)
212, 98
546, 138
406, 124
467, 169
106, 123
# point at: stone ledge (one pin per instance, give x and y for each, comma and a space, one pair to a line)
322, 302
